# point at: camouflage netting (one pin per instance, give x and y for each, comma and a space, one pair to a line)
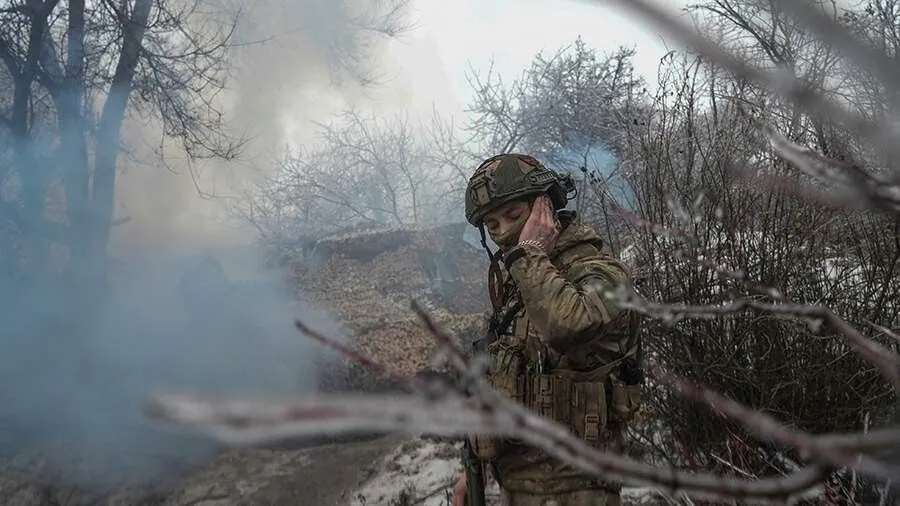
372, 294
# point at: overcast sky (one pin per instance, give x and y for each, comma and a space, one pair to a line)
451, 35
427, 65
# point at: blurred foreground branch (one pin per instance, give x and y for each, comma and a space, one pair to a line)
440, 408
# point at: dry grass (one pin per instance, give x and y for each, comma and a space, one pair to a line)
372, 299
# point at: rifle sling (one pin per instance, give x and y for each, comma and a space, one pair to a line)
509, 316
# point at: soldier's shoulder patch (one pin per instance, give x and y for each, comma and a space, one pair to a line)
608, 269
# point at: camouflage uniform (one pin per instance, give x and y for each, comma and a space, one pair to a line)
557, 344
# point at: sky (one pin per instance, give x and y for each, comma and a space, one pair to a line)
429, 63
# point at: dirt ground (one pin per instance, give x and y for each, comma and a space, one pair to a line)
318, 476
323, 475
384, 471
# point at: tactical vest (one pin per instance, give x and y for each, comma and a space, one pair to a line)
594, 398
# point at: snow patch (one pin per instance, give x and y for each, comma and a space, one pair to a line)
423, 472
417, 472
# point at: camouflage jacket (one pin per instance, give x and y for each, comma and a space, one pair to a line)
560, 312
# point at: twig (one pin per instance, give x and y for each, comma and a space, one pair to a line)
766, 427
781, 82
247, 422
886, 361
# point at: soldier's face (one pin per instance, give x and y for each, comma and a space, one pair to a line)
505, 223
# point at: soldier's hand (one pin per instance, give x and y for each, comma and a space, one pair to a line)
541, 225
459, 491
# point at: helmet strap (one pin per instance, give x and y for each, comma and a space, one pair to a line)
491, 254
495, 277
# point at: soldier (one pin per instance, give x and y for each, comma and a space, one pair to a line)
557, 343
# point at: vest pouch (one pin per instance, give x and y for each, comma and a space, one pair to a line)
504, 375
626, 399
486, 448
590, 416
550, 396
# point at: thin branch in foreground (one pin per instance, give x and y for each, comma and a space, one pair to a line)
451, 414
349, 352
878, 194
886, 331
873, 441
445, 340
782, 82
472, 369
837, 35
244, 422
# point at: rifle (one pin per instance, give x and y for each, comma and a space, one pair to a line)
474, 469
474, 476
475, 479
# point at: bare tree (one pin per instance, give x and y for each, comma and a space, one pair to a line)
361, 171
78, 69
88, 65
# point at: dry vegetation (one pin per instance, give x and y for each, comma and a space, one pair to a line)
371, 296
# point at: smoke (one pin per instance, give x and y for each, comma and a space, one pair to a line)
174, 321
191, 306
602, 165
295, 64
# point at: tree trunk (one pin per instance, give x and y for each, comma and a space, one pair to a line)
73, 150
26, 162
104, 177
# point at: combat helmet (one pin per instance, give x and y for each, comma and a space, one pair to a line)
512, 176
